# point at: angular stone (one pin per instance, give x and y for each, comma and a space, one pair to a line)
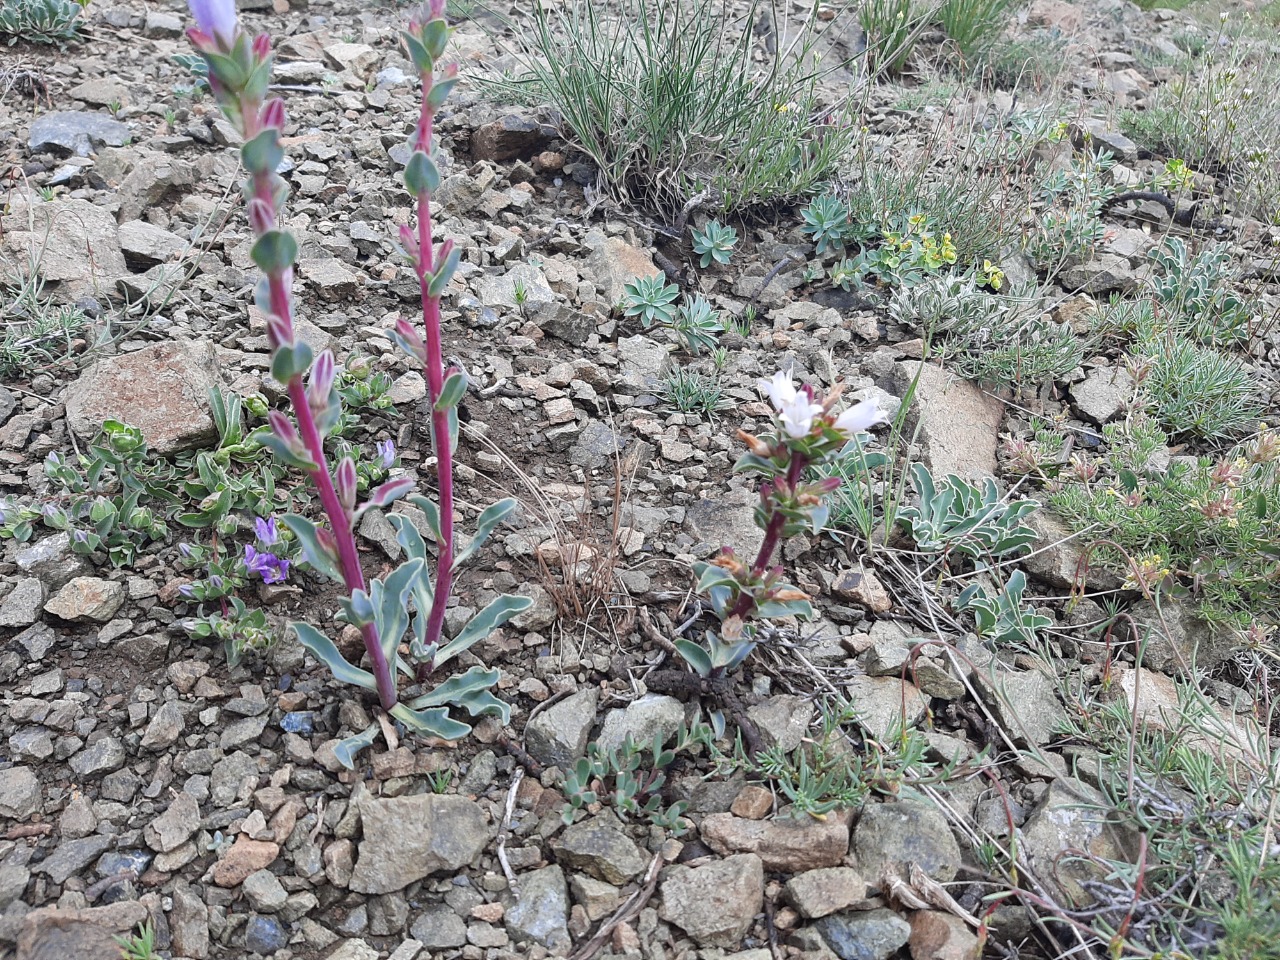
165, 727
817, 893
175, 826
1074, 821
940, 936
408, 838
264, 891
101, 756
71, 856
439, 928
614, 263
144, 244
52, 561
643, 719
189, 923
20, 794
1055, 556
1103, 394
87, 598
1024, 701
541, 912
162, 390
558, 735
783, 720
244, 857
68, 132
783, 845
864, 935
727, 520
598, 847
959, 423
522, 286
716, 903
1096, 136
905, 831
77, 241
1175, 638
54, 933
879, 702
355, 58
21, 607
863, 588
514, 136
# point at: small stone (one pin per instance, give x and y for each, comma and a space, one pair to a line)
71, 856
598, 898
1104, 394
600, 848
59, 933
863, 588
189, 924
817, 893
558, 736
87, 598
452, 831
101, 756
614, 263
542, 910
752, 803
175, 826
244, 857
514, 136
264, 891
940, 936
905, 831
786, 846
439, 928
21, 608
783, 721
65, 133
716, 903
864, 935
1025, 702
162, 390
643, 719
265, 935
165, 727
20, 795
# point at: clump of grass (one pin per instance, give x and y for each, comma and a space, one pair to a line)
1195, 391
892, 28
692, 392
666, 106
974, 25
33, 331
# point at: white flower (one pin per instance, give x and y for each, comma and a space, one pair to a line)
861, 416
796, 410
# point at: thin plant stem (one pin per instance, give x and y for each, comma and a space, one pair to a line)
772, 535
339, 520
440, 434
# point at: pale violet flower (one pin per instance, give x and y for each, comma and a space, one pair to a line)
796, 409
217, 18
861, 416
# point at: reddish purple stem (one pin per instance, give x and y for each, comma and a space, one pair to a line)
772, 535
339, 520
435, 385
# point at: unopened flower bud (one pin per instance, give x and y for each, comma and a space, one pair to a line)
261, 217
755, 444
273, 115
262, 46
345, 481
323, 372
279, 332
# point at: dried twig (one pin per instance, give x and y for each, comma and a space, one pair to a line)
630, 908
505, 829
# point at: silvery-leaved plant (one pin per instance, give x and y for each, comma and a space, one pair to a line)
406, 603
806, 432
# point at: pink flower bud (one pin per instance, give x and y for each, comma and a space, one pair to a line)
408, 239
323, 372
345, 481
279, 332
282, 427
273, 115
261, 217
262, 46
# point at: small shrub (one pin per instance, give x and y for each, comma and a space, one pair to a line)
1069, 225
1194, 291
1035, 62
40, 21
954, 516
892, 28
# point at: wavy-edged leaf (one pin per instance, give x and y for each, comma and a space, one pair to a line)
460, 685
313, 551
389, 492
346, 750
326, 651
434, 722
489, 519
484, 623
391, 603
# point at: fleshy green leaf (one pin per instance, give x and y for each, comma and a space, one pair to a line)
346, 751
274, 252
421, 175
434, 722
391, 603
432, 512
489, 519
451, 394
477, 678
312, 549
263, 152
696, 657
440, 279
326, 651
484, 623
